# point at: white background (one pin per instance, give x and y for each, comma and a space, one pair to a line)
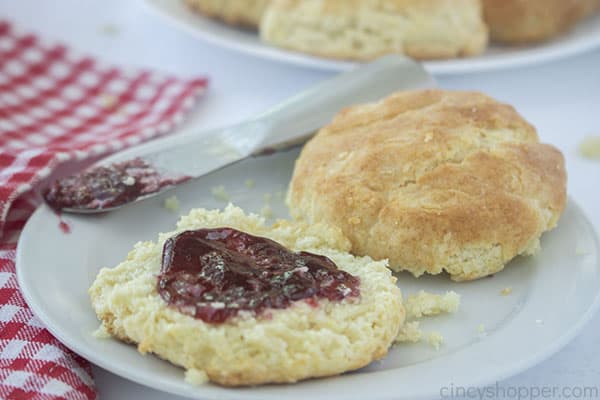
562, 99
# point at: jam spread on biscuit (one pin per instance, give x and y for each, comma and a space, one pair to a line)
213, 274
107, 186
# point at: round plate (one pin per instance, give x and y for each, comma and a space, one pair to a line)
585, 36
553, 295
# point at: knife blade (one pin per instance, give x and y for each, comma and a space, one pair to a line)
149, 169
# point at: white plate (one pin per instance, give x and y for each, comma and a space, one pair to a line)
585, 36
553, 295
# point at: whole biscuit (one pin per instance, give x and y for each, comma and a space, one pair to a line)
366, 29
433, 181
281, 345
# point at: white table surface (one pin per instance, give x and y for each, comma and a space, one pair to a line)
562, 99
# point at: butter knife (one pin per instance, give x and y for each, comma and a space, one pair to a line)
145, 171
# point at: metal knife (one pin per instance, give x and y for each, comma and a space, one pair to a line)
193, 154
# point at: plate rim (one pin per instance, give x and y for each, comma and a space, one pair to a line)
536, 54
140, 378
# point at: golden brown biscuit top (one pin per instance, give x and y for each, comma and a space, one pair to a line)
389, 144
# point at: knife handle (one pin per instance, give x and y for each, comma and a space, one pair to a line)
314, 107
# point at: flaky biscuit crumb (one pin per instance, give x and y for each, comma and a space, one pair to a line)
424, 304
590, 147
172, 203
409, 332
435, 339
506, 291
101, 333
196, 377
266, 211
110, 29
427, 304
220, 193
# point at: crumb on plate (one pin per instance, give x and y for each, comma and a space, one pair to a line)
427, 304
196, 377
219, 193
101, 333
249, 183
172, 203
266, 211
409, 332
435, 339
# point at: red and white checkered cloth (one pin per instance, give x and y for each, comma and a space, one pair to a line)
58, 106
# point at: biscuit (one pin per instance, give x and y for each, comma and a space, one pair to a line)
366, 29
523, 21
433, 181
284, 345
245, 13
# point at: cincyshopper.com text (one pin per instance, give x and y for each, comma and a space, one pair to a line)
534, 392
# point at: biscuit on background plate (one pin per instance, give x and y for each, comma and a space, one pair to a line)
525, 21
432, 180
305, 340
246, 13
366, 29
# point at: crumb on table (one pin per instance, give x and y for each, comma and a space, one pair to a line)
110, 29
590, 147
581, 250
506, 291
108, 100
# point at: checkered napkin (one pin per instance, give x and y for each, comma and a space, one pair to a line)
58, 106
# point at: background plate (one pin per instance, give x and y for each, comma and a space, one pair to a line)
585, 36
553, 295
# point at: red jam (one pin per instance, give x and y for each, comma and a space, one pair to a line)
212, 274
102, 187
